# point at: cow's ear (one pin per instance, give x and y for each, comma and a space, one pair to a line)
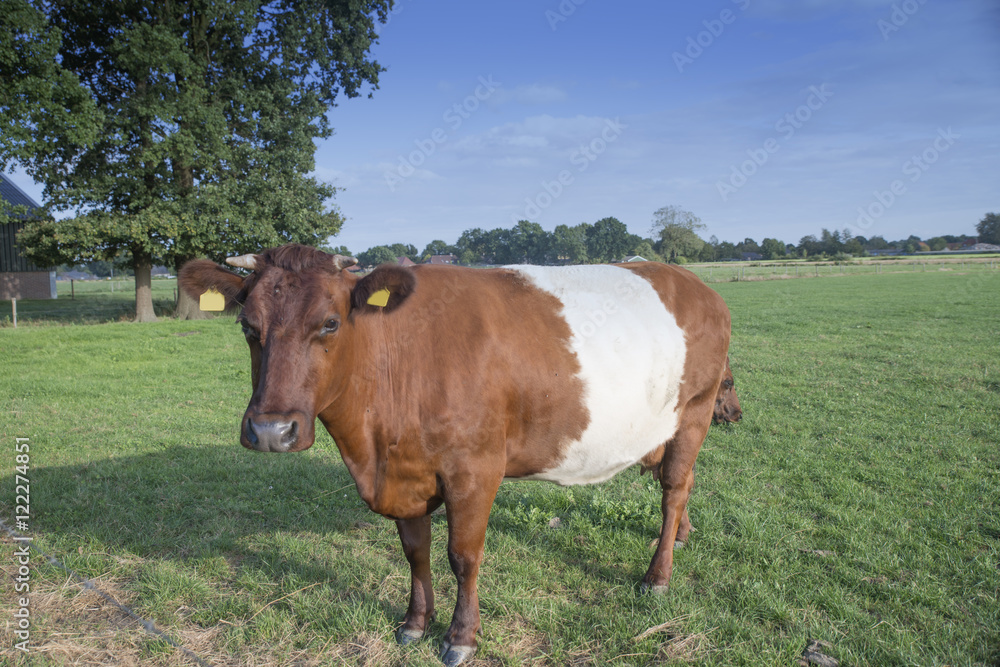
200, 275
383, 289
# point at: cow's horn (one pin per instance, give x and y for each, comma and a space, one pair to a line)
243, 261
342, 262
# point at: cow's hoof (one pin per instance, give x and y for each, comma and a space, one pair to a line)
406, 636
658, 589
455, 655
679, 544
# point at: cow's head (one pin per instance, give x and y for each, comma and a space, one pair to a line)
300, 309
727, 404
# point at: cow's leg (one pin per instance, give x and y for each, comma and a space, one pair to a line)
468, 514
415, 534
684, 530
677, 480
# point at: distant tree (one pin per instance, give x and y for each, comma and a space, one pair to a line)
436, 247
748, 245
726, 250
988, 229
177, 129
855, 246
474, 242
644, 248
710, 251
831, 242
810, 246
500, 249
911, 244
608, 240
405, 250
937, 243
569, 244
772, 249
379, 254
876, 243
529, 243
676, 233
100, 268
338, 250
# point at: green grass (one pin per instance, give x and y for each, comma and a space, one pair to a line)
857, 503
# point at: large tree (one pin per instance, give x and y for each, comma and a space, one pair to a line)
183, 128
989, 229
569, 244
608, 240
677, 233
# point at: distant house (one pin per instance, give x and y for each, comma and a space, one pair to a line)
885, 252
73, 274
442, 259
967, 244
751, 256
19, 278
635, 258
405, 261
985, 247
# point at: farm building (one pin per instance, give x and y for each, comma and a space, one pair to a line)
19, 278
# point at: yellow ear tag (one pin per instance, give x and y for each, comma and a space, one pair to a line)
212, 300
379, 298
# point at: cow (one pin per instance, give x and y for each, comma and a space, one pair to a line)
439, 382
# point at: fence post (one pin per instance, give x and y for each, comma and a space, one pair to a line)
13, 307
72, 289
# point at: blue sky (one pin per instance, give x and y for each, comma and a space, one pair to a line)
765, 118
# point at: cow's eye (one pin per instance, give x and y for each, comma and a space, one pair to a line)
249, 331
330, 326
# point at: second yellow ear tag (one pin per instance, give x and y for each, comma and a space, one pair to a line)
212, 300
379, 298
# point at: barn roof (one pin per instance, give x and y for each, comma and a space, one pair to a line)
14, 195
10, 257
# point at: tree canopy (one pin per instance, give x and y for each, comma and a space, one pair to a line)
989, 229
178, 129
677, 232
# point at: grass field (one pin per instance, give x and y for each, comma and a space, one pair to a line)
857, 503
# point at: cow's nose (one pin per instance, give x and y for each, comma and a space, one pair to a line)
271, 436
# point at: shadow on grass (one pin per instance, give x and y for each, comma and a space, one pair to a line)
184, 503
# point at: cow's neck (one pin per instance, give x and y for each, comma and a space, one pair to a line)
370, 413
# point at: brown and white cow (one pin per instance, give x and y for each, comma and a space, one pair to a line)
466, 377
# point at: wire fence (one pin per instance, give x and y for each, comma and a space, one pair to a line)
90, 302
96, 301
737, 271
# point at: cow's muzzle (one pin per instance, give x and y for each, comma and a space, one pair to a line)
275, 432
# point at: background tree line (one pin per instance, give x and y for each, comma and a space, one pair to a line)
673, 238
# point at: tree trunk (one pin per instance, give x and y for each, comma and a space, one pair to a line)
186, 308
144, 289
